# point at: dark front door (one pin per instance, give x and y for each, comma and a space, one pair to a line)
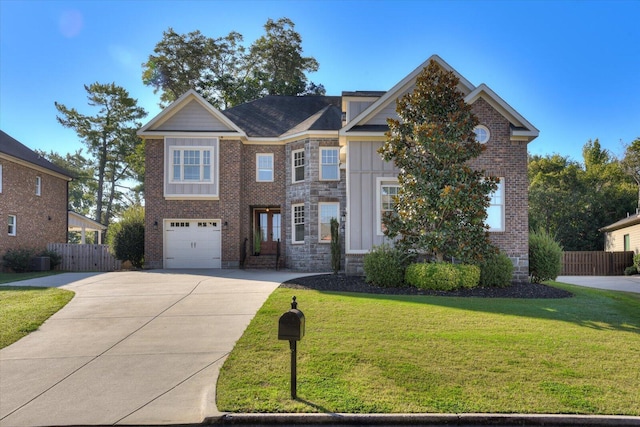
268, 221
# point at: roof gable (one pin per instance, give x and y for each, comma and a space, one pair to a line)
15, 149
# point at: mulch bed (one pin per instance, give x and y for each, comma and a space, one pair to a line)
344, 283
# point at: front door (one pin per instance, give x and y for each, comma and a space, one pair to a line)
268, 221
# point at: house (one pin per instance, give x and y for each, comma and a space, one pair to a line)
623, 235
286, 165
33, 198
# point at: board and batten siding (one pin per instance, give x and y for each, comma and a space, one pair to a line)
357, 107
614, 240
364, 167
193, 117
191, 190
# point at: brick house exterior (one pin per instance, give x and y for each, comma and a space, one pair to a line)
285, 165
33, 198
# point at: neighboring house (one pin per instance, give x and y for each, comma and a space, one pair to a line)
82, 224
286, 165
623, 235
33, 198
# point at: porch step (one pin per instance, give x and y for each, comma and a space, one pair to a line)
263, 262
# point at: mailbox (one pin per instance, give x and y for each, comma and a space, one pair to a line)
291, 325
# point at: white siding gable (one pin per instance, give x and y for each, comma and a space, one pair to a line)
193, 117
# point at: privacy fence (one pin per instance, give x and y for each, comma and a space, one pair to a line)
84, 257
595, 263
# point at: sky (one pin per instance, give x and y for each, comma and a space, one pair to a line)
571, 68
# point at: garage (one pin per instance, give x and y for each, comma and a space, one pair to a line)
192, 243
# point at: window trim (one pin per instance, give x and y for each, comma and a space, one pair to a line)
320, 204
501, 189
38, 186
626, 242
486, 130
258, 169
380, 182
337, 164
0, 177
294, 223
200, 148
14, 225
294, 167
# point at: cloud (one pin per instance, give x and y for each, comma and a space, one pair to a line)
71, 23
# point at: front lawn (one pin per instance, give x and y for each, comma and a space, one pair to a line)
366, 353
24, 309
15, 277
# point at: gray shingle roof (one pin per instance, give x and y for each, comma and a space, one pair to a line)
274, 116
13, 148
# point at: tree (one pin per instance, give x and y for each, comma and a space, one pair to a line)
441, 204
110, 137
126, 236
631, 163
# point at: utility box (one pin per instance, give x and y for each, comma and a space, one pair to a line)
40, 263
291, 325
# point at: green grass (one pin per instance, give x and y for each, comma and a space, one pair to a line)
418, 354
24, 309
14, 277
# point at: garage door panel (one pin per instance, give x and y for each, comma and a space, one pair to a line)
193, 244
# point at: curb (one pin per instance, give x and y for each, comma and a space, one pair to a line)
556, 420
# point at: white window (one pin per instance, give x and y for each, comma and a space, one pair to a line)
264, 167
326, 211
495, 211
387, 191
0, 178
38, 186
12, 225
482, 134
298, 223
191, 164
329, 164
297, 161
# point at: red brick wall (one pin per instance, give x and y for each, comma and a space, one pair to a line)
39, 219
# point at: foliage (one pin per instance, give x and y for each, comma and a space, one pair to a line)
573, 201
385, 265
631, 164
545, 256
442, 276
227, 73
630, 271
496, 270
257, 240
636, 260
126, 237
335, 245
18, 260
441, 204
110, 137
55, 258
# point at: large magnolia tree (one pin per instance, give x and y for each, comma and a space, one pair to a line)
441, 204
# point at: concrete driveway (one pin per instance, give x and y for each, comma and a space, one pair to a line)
611, 283
139, 348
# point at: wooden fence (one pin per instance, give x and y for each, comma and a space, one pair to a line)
595, 263
84, 257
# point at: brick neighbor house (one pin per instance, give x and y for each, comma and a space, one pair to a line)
33, 198
285, 165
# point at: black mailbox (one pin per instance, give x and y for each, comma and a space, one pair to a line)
291, 325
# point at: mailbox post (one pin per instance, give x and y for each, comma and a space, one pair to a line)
291, 328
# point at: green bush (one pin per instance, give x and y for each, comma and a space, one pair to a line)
545, 257
438, 276
496, 270
385, 265
126, 237
630, 271
55, 259
468, 275
18, 260
636, 261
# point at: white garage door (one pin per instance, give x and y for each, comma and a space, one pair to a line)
192, 243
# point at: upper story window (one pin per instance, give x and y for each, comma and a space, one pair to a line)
12, 225
297, 165
298, 223
38, 186
264, 167
482, 134
326, 211
329, 163
387, 191
191, 164
495, 211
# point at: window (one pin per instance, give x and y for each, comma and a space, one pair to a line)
297, 165
0, 178
627, 243
387, 191
264, 167
298, 223
38, 185
329, 163
495, 212
326, 211
482, 134
12, 225
191, 164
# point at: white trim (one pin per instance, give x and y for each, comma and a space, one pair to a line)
168, 163
501, 190
337, 217
379, 183
38, 185
201, 164
15, 225
484, 129
337, 164
293, 223
0, 177
258, 155
293, 165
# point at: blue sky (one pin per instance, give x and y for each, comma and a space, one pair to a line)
571, 68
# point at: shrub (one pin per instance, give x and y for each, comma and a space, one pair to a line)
468, 275
335, 245
545, 257
126, 237
442, 276
385, 266
18, 260
54, 258
630, 271
496, 270
636, 261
